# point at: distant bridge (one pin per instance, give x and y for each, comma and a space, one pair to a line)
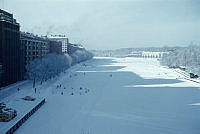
152, 54
146, 54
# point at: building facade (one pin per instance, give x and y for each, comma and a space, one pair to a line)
60, 38
35, 47
55, 46
11, 51
1, 72
71, 48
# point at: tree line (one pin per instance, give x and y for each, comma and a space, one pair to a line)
52, 65
187, 57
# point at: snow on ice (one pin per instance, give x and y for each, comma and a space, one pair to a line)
117, 96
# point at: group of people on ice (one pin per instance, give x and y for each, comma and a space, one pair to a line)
73, 91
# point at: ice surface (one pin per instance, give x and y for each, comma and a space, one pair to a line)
140, 97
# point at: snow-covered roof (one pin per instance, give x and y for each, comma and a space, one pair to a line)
75, 45
57, 37
30, 36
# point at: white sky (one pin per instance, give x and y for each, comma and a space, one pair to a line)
111, 24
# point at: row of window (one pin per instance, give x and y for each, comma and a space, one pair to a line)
35, 48
27, 59
35, 53
25, 42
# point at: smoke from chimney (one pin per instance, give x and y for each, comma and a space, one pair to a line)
49, 30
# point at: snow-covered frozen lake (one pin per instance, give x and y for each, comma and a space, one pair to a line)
118, 96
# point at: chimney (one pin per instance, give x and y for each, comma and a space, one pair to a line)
67, 41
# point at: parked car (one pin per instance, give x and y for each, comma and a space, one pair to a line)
182, 68
2, 105
28, 98
6, 114
193, 75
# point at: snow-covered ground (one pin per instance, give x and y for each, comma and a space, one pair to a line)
116, 96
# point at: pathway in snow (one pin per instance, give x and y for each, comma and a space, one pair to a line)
118, 96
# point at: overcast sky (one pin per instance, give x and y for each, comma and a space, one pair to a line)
111, 24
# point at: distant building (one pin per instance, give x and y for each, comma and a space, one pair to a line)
61, 38
149, 54
11, 51
55, 46
135, 54
35, 47
73, 47
146, 54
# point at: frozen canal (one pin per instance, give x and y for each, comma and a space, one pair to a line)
118, 96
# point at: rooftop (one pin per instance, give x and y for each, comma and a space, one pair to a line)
6, 13
75, 45
57, 37
31, 36
7, 17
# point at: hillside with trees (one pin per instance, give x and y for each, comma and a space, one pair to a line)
187, 57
